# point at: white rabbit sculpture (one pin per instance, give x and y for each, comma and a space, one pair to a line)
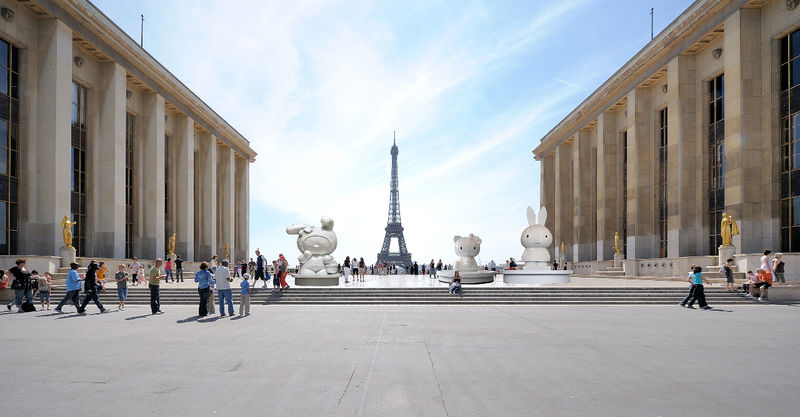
536, 239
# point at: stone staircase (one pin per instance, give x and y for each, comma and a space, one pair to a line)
437, 295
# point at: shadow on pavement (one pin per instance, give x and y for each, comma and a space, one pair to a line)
209, 319
138, 317
238, 317
189, 320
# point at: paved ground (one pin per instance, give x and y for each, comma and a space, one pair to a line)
404, 361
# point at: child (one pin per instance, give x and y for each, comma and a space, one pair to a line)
244, 304
101, 276
751, 279
135, 267
455, 284
698, 293
45, 283
121, 278
727, 270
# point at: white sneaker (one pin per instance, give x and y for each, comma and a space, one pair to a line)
760, 299
749, 295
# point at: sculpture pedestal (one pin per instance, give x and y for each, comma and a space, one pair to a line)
618, 257
67, 257
725, 253
467, 277
537, 277
302, 280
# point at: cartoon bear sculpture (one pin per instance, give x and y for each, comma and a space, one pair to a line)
316, 245
536, 239
467, 248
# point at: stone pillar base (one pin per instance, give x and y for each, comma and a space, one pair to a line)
725, 253
67, 257
618, 257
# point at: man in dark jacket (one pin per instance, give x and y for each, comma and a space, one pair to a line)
21, 284
90, 288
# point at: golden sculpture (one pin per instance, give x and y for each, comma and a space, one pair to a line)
66, 229
227, 250
729, 229
561, 255
617, 247
172, 244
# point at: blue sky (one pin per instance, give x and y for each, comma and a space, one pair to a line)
318, 87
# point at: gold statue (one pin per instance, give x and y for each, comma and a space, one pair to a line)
729, 229
561, 255
617, 247
172, 244
66, 229
227, 250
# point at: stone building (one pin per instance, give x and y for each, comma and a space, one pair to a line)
705, 119
93, 128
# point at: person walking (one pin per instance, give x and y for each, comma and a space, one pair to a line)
778, 268
73, 287
251, 268
224, 292
155, 285
346, 269
136, 269
283, 267
121, 278
204, 280
362, 269
244, 303
168, 271
260, 264
90, 288
178, 269
276, 276
21, 285
698, 292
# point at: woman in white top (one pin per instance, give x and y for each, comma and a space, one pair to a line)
766, 263
136, 269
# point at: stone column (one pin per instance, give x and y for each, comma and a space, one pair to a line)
48, 169
547, 192
684, 155
242, 197
582, 195
563, 220
184, 187
208, 200
109, 172
151, 242
642, 236
747, 153
609, 182
227, 200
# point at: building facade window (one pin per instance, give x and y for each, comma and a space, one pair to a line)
78, 180
662, 180
790, 141
130, 123
716, 155
9, 147
624, 237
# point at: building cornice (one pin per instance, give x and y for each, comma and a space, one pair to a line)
90, 23
694, 23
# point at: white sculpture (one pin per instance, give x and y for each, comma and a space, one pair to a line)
316, 245
536, 238
467, 248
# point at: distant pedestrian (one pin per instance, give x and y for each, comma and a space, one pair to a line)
154, 283
101, 276
432, 270
362, 269
766, 262
346, 270
276, 281
698, 291
73, 287
777, 268
121, 278
727, 270
204, 280
136, 271
178, 268
168, 270
90, 288
260, 265
214, 264
439, 265
244, 303
251, 267
21, 285
283, 267
224, 292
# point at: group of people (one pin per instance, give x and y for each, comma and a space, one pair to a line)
357, 267
27, 286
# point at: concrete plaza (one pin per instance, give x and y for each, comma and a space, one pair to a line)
404, 361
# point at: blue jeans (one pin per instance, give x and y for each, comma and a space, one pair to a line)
179, 274
122, 293
169, 275
19, 295
225, 296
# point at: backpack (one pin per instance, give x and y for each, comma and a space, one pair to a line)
28, 307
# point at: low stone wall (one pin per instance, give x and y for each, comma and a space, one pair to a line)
679, 267
784, 294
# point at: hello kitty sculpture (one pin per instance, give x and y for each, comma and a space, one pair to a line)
536, 239
467, 248
316, 245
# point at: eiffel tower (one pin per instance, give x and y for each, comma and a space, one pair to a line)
394, 228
